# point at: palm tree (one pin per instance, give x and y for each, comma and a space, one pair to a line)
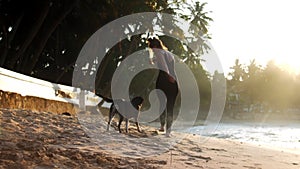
199, 17
238, 72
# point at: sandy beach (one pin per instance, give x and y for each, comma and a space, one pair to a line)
31, 139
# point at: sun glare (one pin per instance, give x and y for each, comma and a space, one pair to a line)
292, 65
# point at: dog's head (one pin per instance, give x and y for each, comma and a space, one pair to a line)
137, 102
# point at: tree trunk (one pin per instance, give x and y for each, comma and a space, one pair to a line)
30, 36
45, 34
65, 70
9, 39
5, 46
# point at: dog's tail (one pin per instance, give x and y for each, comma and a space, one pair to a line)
109, 100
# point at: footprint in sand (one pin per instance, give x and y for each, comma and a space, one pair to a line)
251, 167
217, 149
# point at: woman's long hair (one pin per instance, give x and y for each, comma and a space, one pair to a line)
156, 43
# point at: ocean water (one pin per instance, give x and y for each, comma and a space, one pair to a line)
275, 136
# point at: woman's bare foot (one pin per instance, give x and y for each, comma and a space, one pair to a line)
161, 129
168, 133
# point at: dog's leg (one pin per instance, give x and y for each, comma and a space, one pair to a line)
137, 118
107, 129
112, 112
138, 126
127, 122
120, 122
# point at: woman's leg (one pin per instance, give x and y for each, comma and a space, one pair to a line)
160, 85
171, 96
162, 119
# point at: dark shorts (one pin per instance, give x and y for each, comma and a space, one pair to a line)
170, 89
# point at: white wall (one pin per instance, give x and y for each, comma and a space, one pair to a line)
28, 86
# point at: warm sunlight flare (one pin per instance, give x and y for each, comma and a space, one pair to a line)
256, 30
150, 84
292, 65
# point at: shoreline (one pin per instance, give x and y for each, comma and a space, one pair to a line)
226, 153
283, 134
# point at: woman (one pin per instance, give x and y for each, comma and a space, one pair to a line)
166, 81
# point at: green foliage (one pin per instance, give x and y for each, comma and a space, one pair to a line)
44, 38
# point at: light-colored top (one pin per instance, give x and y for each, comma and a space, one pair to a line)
165, 61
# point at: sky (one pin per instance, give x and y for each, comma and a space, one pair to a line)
263, 30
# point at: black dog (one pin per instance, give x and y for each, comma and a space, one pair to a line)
129, 112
